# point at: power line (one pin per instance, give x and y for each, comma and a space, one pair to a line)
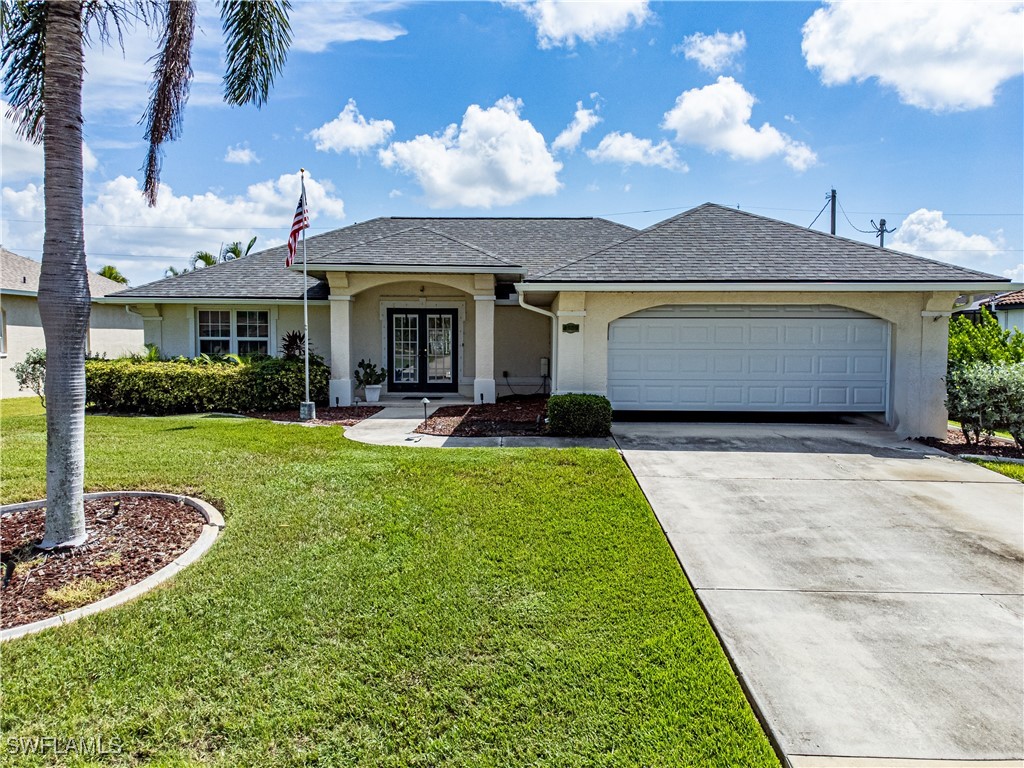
862, 231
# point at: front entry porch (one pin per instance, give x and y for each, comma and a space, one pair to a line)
434, 333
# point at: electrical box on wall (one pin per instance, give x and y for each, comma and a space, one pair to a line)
545, 366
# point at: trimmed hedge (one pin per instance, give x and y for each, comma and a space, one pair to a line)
985, 397
579, 415
160, 388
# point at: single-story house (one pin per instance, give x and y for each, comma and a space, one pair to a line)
1008, 310
113, 331
711, 310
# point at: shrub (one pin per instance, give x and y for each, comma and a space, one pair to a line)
983, 342
160, 388
367, 374
985, 397
30, 373
579, 415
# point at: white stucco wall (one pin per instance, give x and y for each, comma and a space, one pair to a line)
172, 327
112, 332
1011, 318
919, 343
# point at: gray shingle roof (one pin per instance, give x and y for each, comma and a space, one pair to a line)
711, 243
417, 247
18, 273
520, 245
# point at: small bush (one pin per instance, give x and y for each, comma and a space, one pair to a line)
161, 388
983, 342
30, 373
985, 397
579, 415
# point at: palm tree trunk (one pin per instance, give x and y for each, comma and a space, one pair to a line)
64, 300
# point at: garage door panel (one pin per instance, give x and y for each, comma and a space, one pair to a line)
785, 361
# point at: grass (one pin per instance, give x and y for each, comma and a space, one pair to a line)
997, 432
1016, 471
380, 607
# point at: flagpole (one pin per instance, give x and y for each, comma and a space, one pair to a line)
305, 293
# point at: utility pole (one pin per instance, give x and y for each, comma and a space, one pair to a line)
833, 212
880, 231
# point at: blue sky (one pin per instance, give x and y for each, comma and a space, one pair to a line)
629, 110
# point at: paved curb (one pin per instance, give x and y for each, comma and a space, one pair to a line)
989, 457
211, 530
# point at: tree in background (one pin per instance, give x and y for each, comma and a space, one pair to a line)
111, 272
42, 50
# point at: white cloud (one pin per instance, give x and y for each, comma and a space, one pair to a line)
712, 52
717, 117
942, 56
561, 23
351, 132
1016, 273
122, 229
240, 154
582, 121
928, 234
316, 26
21, 159
494, 157
627, 149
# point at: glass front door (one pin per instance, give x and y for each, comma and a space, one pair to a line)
422, 350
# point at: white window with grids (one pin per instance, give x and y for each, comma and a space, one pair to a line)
231, 331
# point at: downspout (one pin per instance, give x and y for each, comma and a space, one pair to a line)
554, 335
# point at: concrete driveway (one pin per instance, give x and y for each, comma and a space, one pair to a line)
869, 591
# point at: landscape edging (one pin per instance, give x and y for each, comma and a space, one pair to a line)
211, 530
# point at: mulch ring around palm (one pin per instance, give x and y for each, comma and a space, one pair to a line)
130, 538
343, 416
956, 443
512, 416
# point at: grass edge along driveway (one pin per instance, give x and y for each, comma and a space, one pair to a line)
379, 607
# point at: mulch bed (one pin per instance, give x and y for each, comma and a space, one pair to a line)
511, 416
956, 444
129, 538
326, 417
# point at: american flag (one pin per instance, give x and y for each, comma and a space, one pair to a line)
299, 223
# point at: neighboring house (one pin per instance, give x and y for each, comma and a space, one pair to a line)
711, 310
112, 331
1008, 309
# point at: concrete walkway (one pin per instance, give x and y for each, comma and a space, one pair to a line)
395, 424
869, 591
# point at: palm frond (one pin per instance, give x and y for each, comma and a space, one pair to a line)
205, 258
22, 26
172, 76
258, 34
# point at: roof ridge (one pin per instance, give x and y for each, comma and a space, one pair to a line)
477, 248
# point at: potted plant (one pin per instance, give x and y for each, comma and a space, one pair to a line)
370, 377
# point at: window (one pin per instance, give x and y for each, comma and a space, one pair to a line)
226, 331
253, 332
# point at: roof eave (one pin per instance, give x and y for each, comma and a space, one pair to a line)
778, 286
120, 299
417, 269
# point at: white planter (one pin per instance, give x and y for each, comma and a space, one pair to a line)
372, 392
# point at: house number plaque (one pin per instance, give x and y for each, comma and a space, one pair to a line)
570, 327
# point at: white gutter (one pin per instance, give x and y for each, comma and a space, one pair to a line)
554, 336
182, 300
818, 287
16, 292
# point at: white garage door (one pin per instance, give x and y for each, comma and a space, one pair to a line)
743, 358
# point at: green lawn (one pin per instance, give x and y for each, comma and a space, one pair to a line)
1016, 471
380, 607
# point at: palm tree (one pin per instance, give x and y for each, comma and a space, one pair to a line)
204, 258
42, 48
234, 250
111, 272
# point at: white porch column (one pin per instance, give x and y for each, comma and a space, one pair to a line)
483, 383
341, 350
